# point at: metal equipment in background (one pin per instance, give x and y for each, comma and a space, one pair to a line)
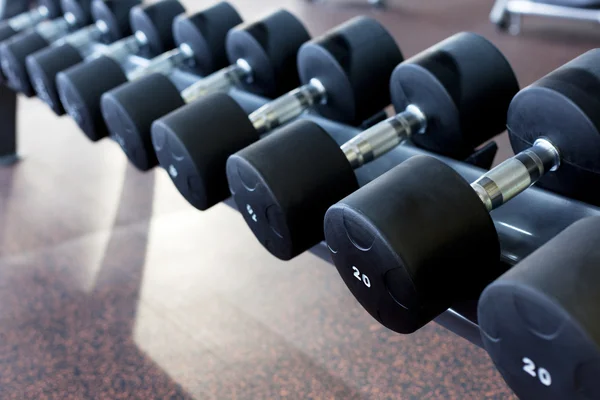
506, 14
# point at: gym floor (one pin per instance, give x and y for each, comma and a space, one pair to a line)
111, 286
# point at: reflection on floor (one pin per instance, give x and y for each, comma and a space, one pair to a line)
111, 286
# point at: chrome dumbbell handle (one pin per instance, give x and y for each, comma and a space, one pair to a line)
384, 136
219, 82
84, 36
122, 49
516, 174
29, 19
288, 106
164, 63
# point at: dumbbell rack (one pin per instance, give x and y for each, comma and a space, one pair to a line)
523, 224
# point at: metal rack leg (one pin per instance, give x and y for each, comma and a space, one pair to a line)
8, 126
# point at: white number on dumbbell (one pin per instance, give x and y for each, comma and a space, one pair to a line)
362, 277
251, 212
542, 374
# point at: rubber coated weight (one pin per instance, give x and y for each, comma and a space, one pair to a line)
540, 323
44, 65
563, 108
272, 180
84, 84
195, 160
155, 21
205, 32
80, 89
13, 53
270, 46
80, 9
115, 14
464, 86
53, 6
426, 242
354, 63
130, 110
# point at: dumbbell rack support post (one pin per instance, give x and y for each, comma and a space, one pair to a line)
8, 127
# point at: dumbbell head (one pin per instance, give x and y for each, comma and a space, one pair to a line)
115, 14
13, 54
129, 112
53, 6
354, 63
44, 65
81, 10
270, 46
420, 237
14, 51
539, 321
463, 85
196, 163
282, 196
205, 34
155, 21
80, 89
562, 107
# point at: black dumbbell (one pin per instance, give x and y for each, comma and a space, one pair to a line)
194, 35
14, 51
263, 60
81, 86
45, 10
424, 237
450, 98
111, 23
345, 76
540, 321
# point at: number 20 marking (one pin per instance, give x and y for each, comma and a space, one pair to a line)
365, 279
542, 374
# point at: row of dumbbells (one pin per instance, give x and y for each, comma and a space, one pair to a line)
409, 244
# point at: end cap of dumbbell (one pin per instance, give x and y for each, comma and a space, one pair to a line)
115, 14
13, 54
129, 113
80, 89
81, 10
53, 6
573, 126
155, 21
205, 33
354, 62
413, 242
284, 183
270, 46
539, 321
43, 67
463, 85
192, 144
